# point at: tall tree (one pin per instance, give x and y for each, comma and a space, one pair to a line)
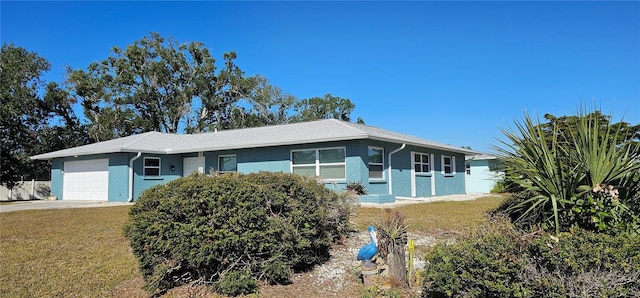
625, 134
157, 84
326, 107
30, 123
220, 97
266, 104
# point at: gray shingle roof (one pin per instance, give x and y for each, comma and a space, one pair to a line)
297, 133
481, 156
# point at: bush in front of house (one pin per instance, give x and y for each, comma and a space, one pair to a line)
485, 265
584, 264
232, 230
504, 263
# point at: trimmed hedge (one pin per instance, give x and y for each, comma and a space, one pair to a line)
506, 264
231, 230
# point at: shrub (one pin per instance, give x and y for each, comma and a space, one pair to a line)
593, 211
583, 264
231, 230
501, 262
356, 187
601, 212
485, 265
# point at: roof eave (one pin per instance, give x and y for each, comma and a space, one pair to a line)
49, 156
443, 147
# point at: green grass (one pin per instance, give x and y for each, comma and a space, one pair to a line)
83, 253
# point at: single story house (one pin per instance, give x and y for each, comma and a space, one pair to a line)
483, 171
387, 163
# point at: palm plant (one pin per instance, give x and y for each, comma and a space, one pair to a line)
392, 239
609, 165
599, 154
538, 162
560, 168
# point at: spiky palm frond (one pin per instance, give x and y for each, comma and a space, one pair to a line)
540, 163
599, 153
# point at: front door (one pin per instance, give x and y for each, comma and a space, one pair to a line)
191, 165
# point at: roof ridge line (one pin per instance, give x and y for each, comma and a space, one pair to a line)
348, 125
139, 138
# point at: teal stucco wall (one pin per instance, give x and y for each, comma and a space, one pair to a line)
277, 159
141, 183
118, 175
56, 177
482, 179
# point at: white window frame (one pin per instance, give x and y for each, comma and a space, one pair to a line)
452, 165
429, 163
145, 167
467, 168
318, 164
381, 164
223, 156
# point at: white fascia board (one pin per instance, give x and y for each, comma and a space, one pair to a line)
432, 146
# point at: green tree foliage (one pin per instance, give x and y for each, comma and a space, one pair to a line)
326, 107
153, 85
231, 230
158, 84
562, 164
624, 133
30, 123
266, 105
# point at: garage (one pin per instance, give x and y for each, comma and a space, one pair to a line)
86, 180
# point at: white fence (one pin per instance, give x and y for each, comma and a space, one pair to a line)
27, 190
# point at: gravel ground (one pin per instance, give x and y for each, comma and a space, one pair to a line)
339, 277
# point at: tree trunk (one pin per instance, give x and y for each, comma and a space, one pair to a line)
397, 263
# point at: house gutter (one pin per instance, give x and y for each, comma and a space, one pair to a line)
389, 159
130, 198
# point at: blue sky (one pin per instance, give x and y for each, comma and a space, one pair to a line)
451, 72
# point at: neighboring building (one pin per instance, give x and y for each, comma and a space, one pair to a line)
385, 162
482, 173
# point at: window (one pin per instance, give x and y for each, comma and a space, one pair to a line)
468, 168
421, 163
227, 163
448, 163
376, 164
328, 163
152, 166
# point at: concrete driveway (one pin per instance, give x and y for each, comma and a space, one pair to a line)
38, 205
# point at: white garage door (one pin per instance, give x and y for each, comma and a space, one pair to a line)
86, 180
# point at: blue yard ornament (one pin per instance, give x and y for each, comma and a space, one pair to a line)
368, 251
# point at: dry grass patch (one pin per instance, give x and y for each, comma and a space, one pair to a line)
64, 252
429, 218
83, 253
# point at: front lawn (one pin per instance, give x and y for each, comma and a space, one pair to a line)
83, 253
65, 252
